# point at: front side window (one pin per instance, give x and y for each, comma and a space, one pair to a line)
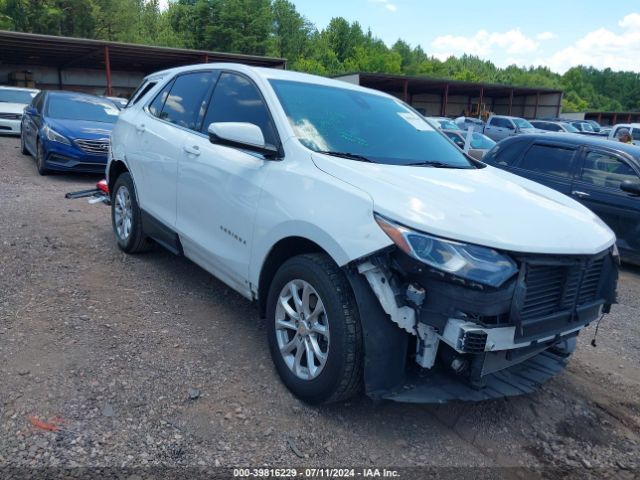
187, 100
82, 107
448, 125
522, 123
635, 133
606, 170
237, 99
570, 128
379, 128
481, 141
457, 139
549, 159
500, 122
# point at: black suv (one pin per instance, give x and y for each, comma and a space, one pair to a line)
601, 174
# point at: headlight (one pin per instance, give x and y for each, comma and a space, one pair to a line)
54, 136
472, 262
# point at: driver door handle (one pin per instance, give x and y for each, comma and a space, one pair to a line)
580, 194
192, 150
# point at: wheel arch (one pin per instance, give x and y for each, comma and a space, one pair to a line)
116, 168
282, 251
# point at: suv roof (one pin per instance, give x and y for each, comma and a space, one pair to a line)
579, 140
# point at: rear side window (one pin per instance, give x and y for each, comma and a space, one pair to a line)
237, 99
605, 170
635, 133
186, 102
549, 159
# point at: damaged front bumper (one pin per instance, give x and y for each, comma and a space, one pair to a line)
452, 339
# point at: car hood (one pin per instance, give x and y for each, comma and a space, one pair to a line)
484, 206
74, 129
6, 107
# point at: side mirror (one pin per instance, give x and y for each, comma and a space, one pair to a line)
31, 111
242, 135
631, 187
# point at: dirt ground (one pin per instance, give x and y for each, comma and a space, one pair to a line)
110, 348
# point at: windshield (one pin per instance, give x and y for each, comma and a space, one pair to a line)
570, 128
82, 107
522, 123
481, 141
448, 125
16, 96
379, 128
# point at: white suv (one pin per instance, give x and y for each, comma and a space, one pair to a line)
380, 255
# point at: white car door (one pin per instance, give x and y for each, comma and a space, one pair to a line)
219, 187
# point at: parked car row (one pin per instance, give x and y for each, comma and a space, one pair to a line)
382, 256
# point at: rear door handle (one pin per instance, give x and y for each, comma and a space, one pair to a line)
140, 128
192, 150
580, 194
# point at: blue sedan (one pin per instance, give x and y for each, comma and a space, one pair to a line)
68, 131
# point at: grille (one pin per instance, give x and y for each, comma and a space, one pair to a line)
10, 116
94, 147
551, 289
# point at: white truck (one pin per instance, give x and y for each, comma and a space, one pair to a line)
381, 256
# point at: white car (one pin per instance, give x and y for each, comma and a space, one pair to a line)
633, 128
378, 253
13, 100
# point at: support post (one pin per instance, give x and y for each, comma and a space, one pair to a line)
445, 100
107, 67
405, 90
510, 102
480, 102
205, 58
559, 106
615, 119
535, 109
59, 78
629, 118
600, 118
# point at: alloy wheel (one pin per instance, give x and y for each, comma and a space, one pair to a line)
302, 329
123, 213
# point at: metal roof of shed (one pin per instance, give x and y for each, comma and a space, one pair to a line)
18, 48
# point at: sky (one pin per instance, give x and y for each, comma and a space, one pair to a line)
558, 34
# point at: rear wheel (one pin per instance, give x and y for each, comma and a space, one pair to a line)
41, 163
314, 330
126, 217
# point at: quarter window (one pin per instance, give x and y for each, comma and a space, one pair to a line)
606, 170
155, 107
549, 159
187, 100
141, 91
237, 99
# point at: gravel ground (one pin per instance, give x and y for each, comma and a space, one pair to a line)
148, 361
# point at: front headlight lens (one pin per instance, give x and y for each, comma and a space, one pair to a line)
471, 262
55, 136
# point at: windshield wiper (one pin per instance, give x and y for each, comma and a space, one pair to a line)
431, 163
350, 156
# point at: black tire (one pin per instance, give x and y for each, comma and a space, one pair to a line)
341, 376
40, 161
136, 241
23, 146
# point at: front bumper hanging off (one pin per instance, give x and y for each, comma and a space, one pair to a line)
503, 342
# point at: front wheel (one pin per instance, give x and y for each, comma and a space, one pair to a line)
314, 330
126, 217
41, 162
